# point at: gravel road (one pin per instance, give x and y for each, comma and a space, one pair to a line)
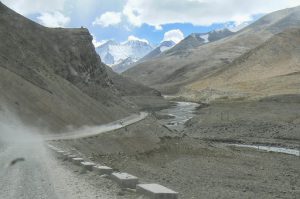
29, 170
96, 130
41, 175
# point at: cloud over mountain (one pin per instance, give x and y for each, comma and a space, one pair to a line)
199, 12
122, 18
53, 19
27, 7
108, 19
134, 38
174, 35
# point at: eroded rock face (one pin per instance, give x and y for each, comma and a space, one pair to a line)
68, 53
81, 64
53, 76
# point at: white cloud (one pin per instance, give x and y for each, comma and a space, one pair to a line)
199, 12
158, 27
53, 19
26, 7
134, 38
108, 19
174, 35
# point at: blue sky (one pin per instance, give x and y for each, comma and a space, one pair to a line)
152, 20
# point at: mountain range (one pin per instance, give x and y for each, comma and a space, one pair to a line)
130, 62
53, 77
191, 67
193, 40
197, 39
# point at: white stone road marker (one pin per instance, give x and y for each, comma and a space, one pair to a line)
70, 157
156, 191
125, 180
77, 161
88, 165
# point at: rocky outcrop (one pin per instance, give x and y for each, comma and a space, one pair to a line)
53, 77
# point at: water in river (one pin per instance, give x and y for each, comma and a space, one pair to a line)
270, 149
181, 112
178, 115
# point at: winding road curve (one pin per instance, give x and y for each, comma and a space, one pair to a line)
96, 130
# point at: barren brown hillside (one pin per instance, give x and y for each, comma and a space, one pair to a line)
270, 69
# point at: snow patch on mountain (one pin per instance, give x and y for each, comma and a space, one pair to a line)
205, 37
212, 36
166, 45
124, 65
164, 48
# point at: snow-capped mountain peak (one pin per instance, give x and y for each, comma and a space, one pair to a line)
136, 43
112, 52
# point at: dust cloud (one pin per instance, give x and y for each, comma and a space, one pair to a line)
13, 130
18, 142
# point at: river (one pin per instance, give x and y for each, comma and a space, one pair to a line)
178, 114
270, 149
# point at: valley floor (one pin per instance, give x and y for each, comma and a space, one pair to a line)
198, 163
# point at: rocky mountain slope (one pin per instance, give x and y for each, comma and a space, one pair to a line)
197, 39
174, 71
146, 98
165, 45
124, 65
53, 78
273, 68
